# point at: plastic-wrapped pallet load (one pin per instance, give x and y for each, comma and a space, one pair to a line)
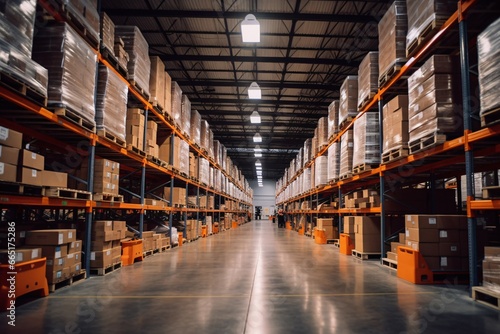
176, 105
210, 143
139, 65
366, 142
72, 68
395, 124
203, 170
167, 103
210, 176
157, 82
333, 162
186, 115
333, 118
195, 126
367, 78
392, 30
17, 19
488, 43
165, 148
322, 132
184, 157
107, 34
423, 15
348, 107
346, 154
84, 12
314, 143
299, 163
204, 135
223, 155
111, 103
434, 103
217, 151
307, 150
321, 170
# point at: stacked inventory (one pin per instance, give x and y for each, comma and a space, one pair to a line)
392, 30
491, 268
348, 104
326, 224
307, 151
333, 119
167, 103
176, 198
395, 129
346, 154
134, 130
489, 78
321, 170
16, 40
204, 140
152, 147
203, 167
139, 65
441, 239
195, 129
367, 78
150, 241
434, 103
333, 162
84, 12
121, 55
393, 253
107, 34
72, 69
111, 104
169, 151
105, 244
31, 166
185, 115
176, 105
306, 181
366, 142
193, 166
157, 82
362, 199
367, 234
11, 143
55, 245
423, 17
183, 157
322, 132
106, 177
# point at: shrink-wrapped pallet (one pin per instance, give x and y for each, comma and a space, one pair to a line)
333, 118
107, 34
195, 126
333, 162
71, 65
205, 135
306, 184
314, 143
111, 103
307, 150
321, 170
299, 163
367, 78
346, 154
366, 140
203, 170
348, 107
488, 43
392, 30
17, 19
139, 65
176, 105
217, 151
210, 143
322, 132
157, 82
186, 115
184, 157
85, 13
395, 124
167, 103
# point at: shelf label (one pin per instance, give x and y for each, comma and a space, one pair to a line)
60, 238
444, 261
1, 168
4, 133
33, 155
92, 256
443, 234
432, 221
33, 172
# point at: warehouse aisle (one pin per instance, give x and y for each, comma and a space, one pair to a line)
254, 279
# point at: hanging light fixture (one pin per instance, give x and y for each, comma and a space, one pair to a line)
258, 154
258, 163
250, 29
257, 149
254, 91
257, 138
255, 117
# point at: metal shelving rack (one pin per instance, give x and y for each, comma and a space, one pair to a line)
436, 160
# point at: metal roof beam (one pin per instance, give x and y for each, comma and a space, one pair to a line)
263, 124
262, 84
245, 47
205, 101
272, 34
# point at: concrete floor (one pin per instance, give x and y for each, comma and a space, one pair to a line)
254, 279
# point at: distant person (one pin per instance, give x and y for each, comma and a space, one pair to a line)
281, 218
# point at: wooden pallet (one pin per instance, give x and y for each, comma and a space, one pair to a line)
363, 168
345, 122
22, 88
110, 57
345, 176
63, 111
138, 88
332, 241
366, 99
103, 197
395, 154
67, 193
490, 117
426, 142
111, 137
425, 34
154, 159
73, 19
20, 189
158, 107
136, 150
486, 296
106, 270
492, 192
389, 73
76, 277
365, 256
391, 264
164, 248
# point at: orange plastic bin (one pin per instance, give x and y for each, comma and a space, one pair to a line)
204, 231
235, 224
346, 244
131, 251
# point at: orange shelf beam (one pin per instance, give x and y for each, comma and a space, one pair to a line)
43, 201
485, 204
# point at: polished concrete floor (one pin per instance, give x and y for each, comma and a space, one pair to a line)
254, 279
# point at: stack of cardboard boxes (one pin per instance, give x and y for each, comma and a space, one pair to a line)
491, 268
366, 142
105, 244
366, 198
186, 115
62, 250
149, 241
134, 131
152, 148
348, 105
346, 154
326, 224
441, 239
120, 53
108, 34
178, 196
157, 82
393, 253
367, 78
367, 234
106, 176
176, 105
10, 146
395, 125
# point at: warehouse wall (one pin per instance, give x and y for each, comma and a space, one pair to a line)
264, 197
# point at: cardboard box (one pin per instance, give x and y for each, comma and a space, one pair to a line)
54, 252
73, 258
116, 243
20, 255
367, 243
57, 276
9, 155
30, 176
322, 222
332, 232
422, 235
367, 225
392, 256
10, 138
119, 225
425, 248
492, 252
32, 160
395, 245
75, 268
349, 224
450, 249
447, 263
101, 245
102, 225
116, 251
75, 246
54, 179
100, 235
50, 237
8, 172
55, 264
178, 195
437, 221
101, 259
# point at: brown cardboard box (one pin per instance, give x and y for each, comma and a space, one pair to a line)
101, 259
178, 195
395, 105
54, 252
75, 268
32, 160
119, 225
402, 238
425, 248
449, 236
56, 264
116, 251
116, 243
103, 235
101, 245
322, 222
49, 237
437, 221
54, 179
57, 276
348, 224
10, 138
21, 255
157, 81
447, 263
367, 225
367, 243
395, 245
9, 155
75, 246
30, 176
8, 172
73, 258
450, 249
422, 235
392, 256
102, 225
332, 232
492, 252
